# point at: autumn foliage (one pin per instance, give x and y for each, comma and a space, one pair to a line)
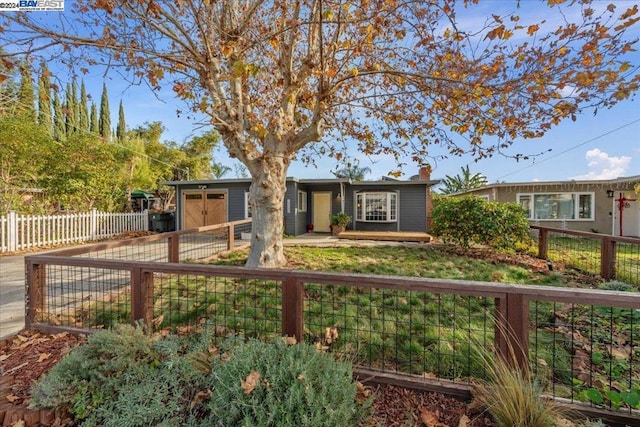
283, 79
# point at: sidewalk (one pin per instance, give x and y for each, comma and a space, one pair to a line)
11, 294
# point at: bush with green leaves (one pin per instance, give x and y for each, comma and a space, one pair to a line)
268, 384
471, 220
123, 377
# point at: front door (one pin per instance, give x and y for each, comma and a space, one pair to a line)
322, 212
204, 208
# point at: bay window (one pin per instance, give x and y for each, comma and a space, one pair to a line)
377, 207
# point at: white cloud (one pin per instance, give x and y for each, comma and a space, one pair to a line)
603, 166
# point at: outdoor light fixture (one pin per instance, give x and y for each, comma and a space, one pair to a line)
610, 194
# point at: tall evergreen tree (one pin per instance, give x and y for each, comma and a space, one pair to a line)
69, 111
26, 96
104, 123
121, 129
93, 119
83, 116
59, 125
45, 115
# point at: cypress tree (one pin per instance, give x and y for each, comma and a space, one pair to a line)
59, 128
45, 115
104, 123
93, 119
122, 127
83, 116
70, 110
26, 97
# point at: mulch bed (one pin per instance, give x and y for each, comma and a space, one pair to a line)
28, 355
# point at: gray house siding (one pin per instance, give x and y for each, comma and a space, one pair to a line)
412, 200
290, 211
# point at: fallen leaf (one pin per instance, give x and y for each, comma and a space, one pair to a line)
12, 398
331, 335
249, 384
290, 340
321, 347
19, 423
464, 421
429, 419
362, 393
43, 357
158, 320
200, 396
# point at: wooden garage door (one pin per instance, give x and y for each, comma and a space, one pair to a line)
215, 208
193, 210
204, 208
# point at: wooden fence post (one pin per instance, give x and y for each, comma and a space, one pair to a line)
141, 296
543, 240
512, 329
292, 308
173, 248
231, 240
36, 277
608, 258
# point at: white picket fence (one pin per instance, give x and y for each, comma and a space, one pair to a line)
18, 232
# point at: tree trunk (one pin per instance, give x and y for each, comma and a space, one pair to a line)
266, 196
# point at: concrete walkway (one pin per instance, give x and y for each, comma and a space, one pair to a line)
12, 276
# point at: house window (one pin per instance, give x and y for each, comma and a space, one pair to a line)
247, 206
558, 206
377, 207
302, 201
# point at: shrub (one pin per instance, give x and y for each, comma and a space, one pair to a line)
266, 384
123, 377
467, 220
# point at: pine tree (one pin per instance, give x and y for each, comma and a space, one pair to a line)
59, 128
83, 116
122, 127
93, 119
104, 123
45, 115
69, 110
26, 97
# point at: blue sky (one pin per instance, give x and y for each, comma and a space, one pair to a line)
593, 147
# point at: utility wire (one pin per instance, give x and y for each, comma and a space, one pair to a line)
571, 148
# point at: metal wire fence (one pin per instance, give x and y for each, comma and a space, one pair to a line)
610, 257
582, 344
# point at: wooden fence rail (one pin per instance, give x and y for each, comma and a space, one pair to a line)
19, 232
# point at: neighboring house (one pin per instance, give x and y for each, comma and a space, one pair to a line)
600, 206
385, 205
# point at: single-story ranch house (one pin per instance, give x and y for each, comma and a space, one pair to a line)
384, 205
603, 206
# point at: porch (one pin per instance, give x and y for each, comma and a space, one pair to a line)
391, 236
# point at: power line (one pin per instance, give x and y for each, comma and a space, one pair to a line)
571, 148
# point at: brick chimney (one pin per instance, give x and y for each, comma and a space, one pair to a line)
424, 174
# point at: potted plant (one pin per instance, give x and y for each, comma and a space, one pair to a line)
339, 222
